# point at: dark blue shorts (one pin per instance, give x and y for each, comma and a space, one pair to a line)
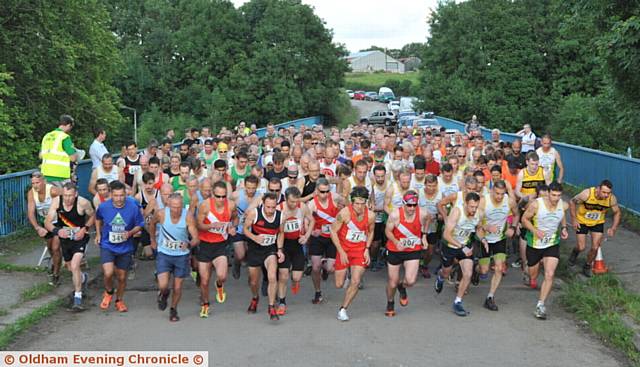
121, 261
178, 265
238, 237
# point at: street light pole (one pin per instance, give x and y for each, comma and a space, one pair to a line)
135, 121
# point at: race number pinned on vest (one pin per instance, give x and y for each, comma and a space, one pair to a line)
355, 236
409, 242
291, 226
268, 239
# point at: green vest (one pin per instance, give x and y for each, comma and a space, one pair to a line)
55, 161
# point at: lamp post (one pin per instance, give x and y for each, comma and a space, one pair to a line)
135, 121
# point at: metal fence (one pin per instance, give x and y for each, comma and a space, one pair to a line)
14, 186
586, 167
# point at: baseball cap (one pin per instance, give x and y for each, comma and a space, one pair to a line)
410, 198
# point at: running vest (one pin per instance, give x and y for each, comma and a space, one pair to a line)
496, 215
236, 176
448, 188
531, 182
261, 226
241, 207
507, 176
417, 185
160, 181
55, 161
42, 207
328, 169
367, 183
218, 233
293, 225
431, 206
396, 197
208, 160
324, 217
548, 161
465, 228
546, 220
144, 202
353, 235
378, 200
131, 167
592, 212
309, 187
109, 176
171, 236
70, 219
407, 233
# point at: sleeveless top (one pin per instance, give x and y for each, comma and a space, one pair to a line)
465, 227
42, 207
218, 233
431, 206
531, 182
592, 212
496, 215
171, 236
109, 176
407, 233
353, 235
325, 216
293, 225
261, 226
546, 220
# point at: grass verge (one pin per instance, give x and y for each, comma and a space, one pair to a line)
342, 113
36, 291
603, 304
11, 331
20, 242
22, 268
373, 81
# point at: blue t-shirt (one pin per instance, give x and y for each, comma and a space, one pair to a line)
117, 221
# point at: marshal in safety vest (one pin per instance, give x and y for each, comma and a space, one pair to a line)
55, 161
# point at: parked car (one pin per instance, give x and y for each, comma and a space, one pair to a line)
350, 93
394, 106
385, 95
371, 96
358, 95
386, 118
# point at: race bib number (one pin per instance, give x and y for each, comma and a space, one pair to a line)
326, 228
355, 236
593, 215
379, 217
547, 240
134, 169
172, 245
409, 242
42, 212
292, 226
269, 239
220, 228
463, 233
117, 237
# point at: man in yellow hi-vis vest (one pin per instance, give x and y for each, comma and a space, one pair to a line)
57, 152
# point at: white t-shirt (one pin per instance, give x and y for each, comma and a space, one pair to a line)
96, 151
528, 142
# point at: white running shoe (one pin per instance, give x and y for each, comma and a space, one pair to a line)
342, 314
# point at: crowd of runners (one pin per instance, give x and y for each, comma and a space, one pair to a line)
313, 201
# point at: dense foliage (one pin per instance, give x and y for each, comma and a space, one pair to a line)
566, 67
179, 63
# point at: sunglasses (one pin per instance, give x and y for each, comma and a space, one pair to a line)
324, 191
411, 205
220, 196
222, 151
274, 191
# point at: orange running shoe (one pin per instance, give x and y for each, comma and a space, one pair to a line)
106, 300
221, 295
295, 287
281, 310
120, 306
404, 298
390, 312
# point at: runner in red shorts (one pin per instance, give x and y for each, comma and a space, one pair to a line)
352, 233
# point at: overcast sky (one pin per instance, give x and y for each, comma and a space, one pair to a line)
361, 23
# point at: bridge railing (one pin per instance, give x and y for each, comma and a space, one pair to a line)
14, 186
586, 167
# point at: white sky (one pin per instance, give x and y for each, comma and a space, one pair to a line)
362, 23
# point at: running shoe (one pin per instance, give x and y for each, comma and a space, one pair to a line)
490, 304
439, 284
475, 277
541, 312
253, 306
281, 310
295, 287
586, 270
173, 315
55, 280
106, 300
120, 306
77, 304
221, 295
317, 298
236, 270
342, 314
390, 312
273, 314
162, 300
194, 275
404, 298
517, 264
204, 310
459, 310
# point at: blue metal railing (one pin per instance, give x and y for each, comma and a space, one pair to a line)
586, 167
14, 186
